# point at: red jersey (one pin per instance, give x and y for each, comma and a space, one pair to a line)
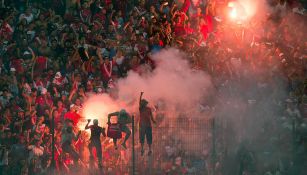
6, 31
179, 30
41, 63
106, 70
204, 30
18, 65
85, 14
42, 101
73, 116
108, 2
209, 20
100, 17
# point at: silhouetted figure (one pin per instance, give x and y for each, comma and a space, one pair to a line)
146, 118
123, 119
96, 132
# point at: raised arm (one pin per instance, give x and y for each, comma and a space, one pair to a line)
186, 5
141, 98
73, 91
162, 7
52, 109
32, 54
88, 122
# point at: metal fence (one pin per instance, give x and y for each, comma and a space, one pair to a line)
173, 138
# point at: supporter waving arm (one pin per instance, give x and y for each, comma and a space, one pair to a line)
88, 122
173, 9
186, 5
140, 99
73, 91
52, 109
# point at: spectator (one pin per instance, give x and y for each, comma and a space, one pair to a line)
55, 54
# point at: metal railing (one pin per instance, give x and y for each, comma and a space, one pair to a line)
172, 138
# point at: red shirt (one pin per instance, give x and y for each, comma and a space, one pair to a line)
107, 2
189, 30
106, 70
6, 31
41, 63
85, 14
42, 101
204, 30
100, 17
179, 30
60, 110
209, 20
17, 64
57, 119
89, 66
73, 116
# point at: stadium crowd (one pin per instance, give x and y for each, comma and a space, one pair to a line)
54, 54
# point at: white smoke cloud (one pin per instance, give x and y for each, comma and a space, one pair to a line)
179, 86
173, 81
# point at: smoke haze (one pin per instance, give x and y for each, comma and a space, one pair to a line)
173, 81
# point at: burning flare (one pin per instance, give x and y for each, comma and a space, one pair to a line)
242, 10
98, 107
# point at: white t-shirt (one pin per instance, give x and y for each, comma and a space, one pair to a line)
28, 18
120, 60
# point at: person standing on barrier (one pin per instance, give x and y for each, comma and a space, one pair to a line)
123, 118
146, 117
96, 132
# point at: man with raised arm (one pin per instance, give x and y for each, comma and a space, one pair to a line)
146, 117
96, 132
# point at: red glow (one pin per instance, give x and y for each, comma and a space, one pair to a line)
241, 10
98, 107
